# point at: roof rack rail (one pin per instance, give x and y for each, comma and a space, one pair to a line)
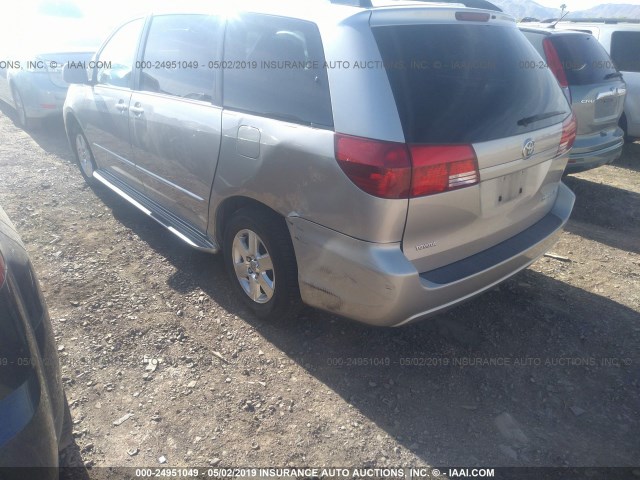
602, 20
354, 3
484, 4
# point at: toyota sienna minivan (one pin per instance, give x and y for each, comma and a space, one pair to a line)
381, 163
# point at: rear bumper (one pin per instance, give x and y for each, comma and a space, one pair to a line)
579, 162
41, 97
376, 284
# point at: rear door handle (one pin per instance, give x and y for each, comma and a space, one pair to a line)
121, 106
137, 109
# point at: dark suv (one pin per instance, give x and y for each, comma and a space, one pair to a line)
594, 87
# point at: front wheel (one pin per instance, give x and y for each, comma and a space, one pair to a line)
260, 261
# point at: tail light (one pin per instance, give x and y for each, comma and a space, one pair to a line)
569, 130
395, 170
382, 169
555, 64
472, 16
439, 168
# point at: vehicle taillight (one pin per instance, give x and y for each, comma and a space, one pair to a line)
2, 270
555, 64
569, 130
472, 16
393, 170
440, 168
379, 168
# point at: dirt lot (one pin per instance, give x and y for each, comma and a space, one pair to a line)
542, 371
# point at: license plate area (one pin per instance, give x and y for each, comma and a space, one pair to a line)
510, 187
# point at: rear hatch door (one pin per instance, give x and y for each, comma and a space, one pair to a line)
466, 82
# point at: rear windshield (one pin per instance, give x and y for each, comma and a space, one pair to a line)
467, 83
585, 61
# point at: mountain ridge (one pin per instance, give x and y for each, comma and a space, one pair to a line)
529, 8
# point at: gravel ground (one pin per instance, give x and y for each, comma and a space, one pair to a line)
162, 364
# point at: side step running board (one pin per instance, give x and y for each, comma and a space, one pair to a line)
183, 232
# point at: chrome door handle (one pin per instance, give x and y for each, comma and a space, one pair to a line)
137, 110
121, 106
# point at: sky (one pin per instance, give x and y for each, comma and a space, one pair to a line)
574, 6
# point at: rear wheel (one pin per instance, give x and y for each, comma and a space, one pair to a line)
260, 261
623, 126
84, 156
21, 113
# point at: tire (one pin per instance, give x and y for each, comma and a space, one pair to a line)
84, 155
623, 126
66, 435
22, 118
260, 261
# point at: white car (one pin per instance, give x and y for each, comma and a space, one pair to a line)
622, 42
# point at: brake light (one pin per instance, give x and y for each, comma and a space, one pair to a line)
555, 65
472, 16
569, 130
382, 169
440, 168
393, 170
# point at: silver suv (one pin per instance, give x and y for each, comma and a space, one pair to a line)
594, 87
379, 163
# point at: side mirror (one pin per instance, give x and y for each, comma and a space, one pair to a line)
75, 74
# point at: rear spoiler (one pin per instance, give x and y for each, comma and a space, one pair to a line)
483, 4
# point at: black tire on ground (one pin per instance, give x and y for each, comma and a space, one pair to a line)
83, 154
282, 302
66, 435
623, 126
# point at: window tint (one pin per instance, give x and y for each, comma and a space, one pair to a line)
274, 66
585, 61
467, 83
118, 55
625, 51
177, 55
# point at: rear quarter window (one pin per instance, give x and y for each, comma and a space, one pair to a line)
467, 83
274, 66
625, 51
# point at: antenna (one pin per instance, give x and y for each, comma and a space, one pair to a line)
556, 22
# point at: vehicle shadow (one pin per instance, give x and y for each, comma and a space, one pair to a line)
48, 133
533, 373
631, 157
600, 208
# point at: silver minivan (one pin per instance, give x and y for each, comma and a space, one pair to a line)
594, 87
380, 163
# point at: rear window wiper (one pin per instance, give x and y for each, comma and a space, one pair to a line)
612, 75
536, 118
